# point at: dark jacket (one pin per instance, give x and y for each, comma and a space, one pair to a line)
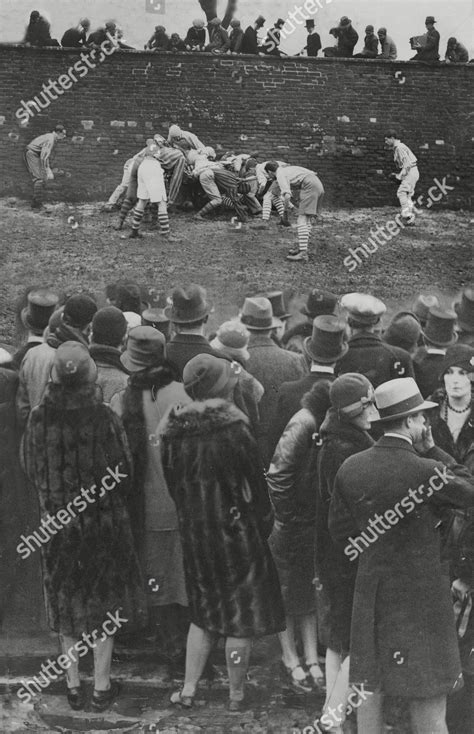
38, 34
347, 40
89, 566
292, 479
289, 401
427, 367
184, 347
336, 574
236, 39
212, 470
250, 41
431, 50
371, 46
379, 362
403, 635
195, 37
272, 366
313, 44
74, 38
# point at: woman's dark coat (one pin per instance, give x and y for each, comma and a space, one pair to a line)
90, 566
336, 574
459, 546
292, 479
212, 469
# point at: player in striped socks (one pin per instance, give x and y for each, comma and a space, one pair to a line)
151, 187
311, 195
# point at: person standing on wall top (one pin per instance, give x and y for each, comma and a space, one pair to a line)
313, 43
37, 159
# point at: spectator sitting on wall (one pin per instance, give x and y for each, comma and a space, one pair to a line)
38, 32
97, 38
427, 46
219, 41
272, 42
236, 37
371, 45
250, 40
159, 40
389, 49
76, 37
196, 36
456, 52
176, 43
313, 43
347, 38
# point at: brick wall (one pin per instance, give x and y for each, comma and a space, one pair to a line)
329, 115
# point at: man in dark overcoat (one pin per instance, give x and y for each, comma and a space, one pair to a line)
386, 506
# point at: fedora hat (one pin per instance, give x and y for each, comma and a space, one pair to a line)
439, 329
279, 308
319, 303
403, 331
327, 343
398, 398
146, 347
422, 305
430, 19
257, 314
465, 310
188, 304
40, 305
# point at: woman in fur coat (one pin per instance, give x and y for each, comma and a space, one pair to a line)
212, 469
76, 457
343, 433
452, 425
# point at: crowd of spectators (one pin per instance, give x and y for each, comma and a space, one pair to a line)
217, 39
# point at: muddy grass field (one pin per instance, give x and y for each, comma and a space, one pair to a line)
73, 248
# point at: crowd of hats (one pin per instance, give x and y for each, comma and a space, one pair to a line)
145, 331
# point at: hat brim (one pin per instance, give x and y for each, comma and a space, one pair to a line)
426, 405
236, 352
168, 312
450, 343
275, 323
324, 360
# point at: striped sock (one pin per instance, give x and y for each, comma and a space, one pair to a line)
227, 202
137, 218
267, 208
164, 222
303, 236
279, 206
124, 209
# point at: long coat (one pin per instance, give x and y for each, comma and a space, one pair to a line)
90, 566
336, 574
211, 466
272, 366
403, 635
459, 546
375, 359
293, 495
160, 550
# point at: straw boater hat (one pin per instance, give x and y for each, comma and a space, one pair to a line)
399, 398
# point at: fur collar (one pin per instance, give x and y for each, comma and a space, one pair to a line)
202, 417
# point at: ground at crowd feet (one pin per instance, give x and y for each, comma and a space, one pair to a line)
72, 247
